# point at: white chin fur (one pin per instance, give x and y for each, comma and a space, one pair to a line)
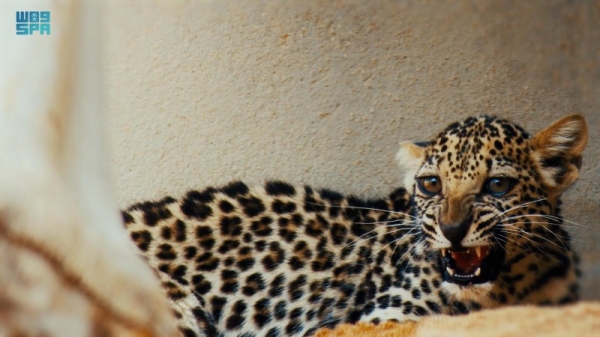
475, 292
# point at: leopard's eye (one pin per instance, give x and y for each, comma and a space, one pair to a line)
430, 186
498, 186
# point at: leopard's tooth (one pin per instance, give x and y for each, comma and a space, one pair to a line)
477, 271
443, 251
478, 251
450, 271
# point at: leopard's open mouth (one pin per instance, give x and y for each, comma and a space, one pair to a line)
471, 265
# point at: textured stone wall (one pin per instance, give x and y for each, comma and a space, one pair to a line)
321, 92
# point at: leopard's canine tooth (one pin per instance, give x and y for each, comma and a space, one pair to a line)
478, 251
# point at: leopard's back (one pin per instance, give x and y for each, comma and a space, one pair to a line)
277, 258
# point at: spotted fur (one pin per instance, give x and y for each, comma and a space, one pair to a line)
282, 260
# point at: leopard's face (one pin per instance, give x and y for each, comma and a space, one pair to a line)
485, 194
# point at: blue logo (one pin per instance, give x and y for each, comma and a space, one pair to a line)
29, 23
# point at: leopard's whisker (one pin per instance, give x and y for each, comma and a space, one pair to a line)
386, 222
363, 208
562, 246
543, 226
520, 206
550, 217
397, 229
408, 226
499, 241
516, 231
412, 251
393, 241
528, 245
408, 251
525, 246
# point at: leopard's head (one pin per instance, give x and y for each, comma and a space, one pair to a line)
486, 196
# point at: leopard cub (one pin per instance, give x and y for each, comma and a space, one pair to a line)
476, 225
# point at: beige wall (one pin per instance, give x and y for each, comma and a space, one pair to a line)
321, 92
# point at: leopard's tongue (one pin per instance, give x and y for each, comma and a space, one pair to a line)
467, 261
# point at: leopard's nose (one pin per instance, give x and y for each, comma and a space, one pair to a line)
455, 232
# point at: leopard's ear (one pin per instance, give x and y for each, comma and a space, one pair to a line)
410, 157
557, 150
